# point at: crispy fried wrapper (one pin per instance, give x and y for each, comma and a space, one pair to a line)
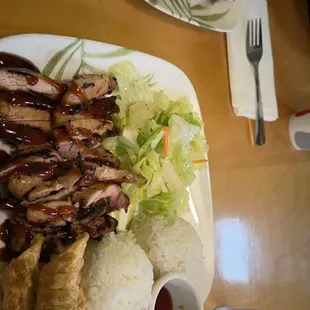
19, 279
59, 281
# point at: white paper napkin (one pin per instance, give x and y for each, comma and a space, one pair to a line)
242, 82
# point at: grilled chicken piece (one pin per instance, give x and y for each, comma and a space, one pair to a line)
9, 204
27, 100
113, 194
43, 151
100, 109
97, 155
97, 227
117, 199
8, 60
15, 79
63, 194
87, 87
20, 185
25, 115
44, 189
103, 108
106, 173
72, 150
65, 146
37, 161
58, 189
23, 135
22, 231
90, 129
69, 178
61, 118
54, 212
83, 216
101, 156
31, 166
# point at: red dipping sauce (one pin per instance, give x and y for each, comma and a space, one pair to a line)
164, 300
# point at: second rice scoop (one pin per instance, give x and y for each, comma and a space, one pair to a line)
171, 243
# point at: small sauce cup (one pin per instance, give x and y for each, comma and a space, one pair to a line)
183, 292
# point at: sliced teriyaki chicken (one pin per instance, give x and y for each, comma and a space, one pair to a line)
60, 117
23, 136
72, 150
44, 189
116, 199
99, 109
20, 185
69, 178
28, 100
90, 128
65, 146
37, 161
62, 194
97, 227
16, 61
9, 204
15, 79
85, 215
101, 156
54, 212
25, 115
87, 87
57, 189
106, 173
43, 151
22, 231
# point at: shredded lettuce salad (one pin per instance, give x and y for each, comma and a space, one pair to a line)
160, 140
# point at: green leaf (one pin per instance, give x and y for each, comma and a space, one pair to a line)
117, 53
52, 63
153, 2
198, 7
61, 70
211, 17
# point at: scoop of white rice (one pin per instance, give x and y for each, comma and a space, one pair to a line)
171, 243
117, 274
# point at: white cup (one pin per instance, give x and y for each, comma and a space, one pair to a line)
183, 292
299, 130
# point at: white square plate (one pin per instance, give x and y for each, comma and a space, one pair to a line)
61, 57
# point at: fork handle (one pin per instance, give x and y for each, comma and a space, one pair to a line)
260, 136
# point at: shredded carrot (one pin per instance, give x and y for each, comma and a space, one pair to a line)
166, 141
199, 161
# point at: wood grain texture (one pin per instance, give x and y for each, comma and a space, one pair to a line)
261, 196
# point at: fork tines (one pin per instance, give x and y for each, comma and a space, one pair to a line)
254, 32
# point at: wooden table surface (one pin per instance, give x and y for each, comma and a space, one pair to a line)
261, 195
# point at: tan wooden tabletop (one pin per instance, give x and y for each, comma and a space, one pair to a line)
261, 195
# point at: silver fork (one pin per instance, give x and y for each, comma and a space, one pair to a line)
254, 51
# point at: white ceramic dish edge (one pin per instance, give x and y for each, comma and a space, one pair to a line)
182, 290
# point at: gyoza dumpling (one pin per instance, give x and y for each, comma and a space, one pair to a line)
59, 281
19, 279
